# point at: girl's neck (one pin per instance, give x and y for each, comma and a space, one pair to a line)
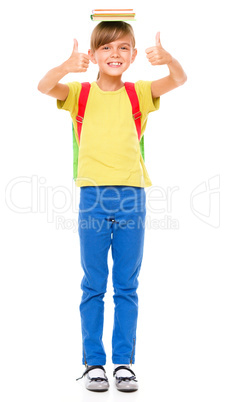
108, 83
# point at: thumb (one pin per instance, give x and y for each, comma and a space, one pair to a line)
75, 46
157, 39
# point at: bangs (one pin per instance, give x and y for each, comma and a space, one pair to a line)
107, 32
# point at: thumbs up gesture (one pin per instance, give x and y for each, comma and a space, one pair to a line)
77, 62
156, 55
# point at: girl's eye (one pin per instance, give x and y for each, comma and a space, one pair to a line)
107, 47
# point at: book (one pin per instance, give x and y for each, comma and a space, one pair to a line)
122, 18
114, 15
112, 10
125, 14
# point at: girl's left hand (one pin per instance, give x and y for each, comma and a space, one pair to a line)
156, 55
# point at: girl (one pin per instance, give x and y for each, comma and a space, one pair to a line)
112, 178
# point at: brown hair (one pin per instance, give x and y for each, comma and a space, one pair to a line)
109, 31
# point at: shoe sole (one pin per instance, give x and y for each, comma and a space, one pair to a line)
97, 390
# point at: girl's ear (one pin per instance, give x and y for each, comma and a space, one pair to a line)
134, 55
92, 57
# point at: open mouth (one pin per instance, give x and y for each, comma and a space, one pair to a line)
114, 64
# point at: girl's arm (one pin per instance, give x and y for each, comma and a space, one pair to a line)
49, 84
158, 56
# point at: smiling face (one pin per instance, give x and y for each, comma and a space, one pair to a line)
115, 57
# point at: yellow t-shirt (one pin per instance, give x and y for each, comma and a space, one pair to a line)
109, 151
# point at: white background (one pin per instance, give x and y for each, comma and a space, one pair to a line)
180, 342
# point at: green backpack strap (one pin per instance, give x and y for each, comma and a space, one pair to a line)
142, 147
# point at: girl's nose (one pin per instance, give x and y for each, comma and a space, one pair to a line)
115, 53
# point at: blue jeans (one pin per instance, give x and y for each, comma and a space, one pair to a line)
110, 216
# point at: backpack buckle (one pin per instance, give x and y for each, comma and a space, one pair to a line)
79, 119
137, 115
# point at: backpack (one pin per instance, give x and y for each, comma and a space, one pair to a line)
85, 88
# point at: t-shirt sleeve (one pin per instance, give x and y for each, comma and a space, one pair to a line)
147, 102
71, 102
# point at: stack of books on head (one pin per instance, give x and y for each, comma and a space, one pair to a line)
113, 14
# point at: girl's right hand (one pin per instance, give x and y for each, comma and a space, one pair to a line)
78, 62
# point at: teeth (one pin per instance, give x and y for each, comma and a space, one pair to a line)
115, 64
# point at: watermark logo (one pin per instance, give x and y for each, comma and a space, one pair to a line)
205, 201
34, 195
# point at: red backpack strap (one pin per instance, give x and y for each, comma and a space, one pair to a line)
85, 88
131, 92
